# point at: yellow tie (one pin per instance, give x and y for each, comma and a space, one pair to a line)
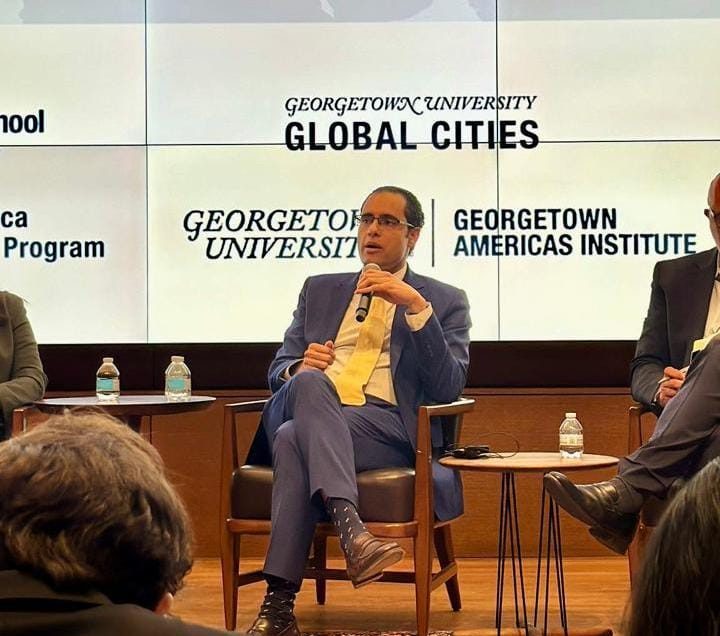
699, 345
353, 378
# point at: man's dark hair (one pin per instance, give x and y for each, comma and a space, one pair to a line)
85, 505
413, 209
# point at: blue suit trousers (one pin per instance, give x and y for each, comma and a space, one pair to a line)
317, 447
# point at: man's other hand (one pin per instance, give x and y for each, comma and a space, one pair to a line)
669, 385
318, 356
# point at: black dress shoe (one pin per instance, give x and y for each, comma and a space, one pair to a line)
265, 626
597, 506
369, 556
276, 616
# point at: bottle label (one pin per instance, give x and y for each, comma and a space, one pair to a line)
176, 384
571, 440
106, 384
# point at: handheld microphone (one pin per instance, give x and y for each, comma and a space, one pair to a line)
364, 305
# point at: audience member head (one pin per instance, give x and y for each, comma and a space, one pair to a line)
84, 504
678, 591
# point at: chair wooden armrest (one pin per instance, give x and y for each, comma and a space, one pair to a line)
254, 406
230, 460
640, 428
423, 451
425, 413
461, 405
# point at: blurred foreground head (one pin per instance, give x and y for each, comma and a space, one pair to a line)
85, 504
679, 588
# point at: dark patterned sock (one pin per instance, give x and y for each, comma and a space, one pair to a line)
279, 601
345, 516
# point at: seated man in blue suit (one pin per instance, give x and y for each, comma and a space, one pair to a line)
684, 307
346, 395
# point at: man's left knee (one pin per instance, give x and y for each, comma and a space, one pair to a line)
284, 436
312, 381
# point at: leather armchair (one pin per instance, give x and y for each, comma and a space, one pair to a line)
395, 503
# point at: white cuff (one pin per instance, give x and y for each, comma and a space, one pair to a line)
417, 321
285, 375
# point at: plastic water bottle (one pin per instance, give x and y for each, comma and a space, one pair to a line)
177, 380
107, 381
571, 437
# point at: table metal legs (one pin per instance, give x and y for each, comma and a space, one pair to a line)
551, 546
509, 528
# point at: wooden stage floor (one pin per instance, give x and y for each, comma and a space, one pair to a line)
597, 590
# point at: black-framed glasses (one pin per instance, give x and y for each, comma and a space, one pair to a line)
712, 215
384, 220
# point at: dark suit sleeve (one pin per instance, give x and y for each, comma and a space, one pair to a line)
652, 353
442, 347
293, 346
26, 382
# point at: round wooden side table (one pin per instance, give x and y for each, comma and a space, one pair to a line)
129, 408
549, 547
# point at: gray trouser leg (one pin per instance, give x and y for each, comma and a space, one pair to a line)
686, 435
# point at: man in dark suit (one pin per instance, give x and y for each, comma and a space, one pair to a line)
676, 318
327, 419
94, 541
684, 314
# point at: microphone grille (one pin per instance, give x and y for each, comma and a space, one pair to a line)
371, 266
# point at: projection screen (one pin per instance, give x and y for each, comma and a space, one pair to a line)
171, 171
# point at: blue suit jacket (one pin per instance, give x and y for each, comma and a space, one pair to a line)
429, 365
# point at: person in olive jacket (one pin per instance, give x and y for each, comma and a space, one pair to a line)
22, 379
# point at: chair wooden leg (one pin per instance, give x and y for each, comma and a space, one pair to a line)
423, 575
25, 418
637, 550
446, 556
230, 563
320, 563
633, 558
18, 423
